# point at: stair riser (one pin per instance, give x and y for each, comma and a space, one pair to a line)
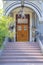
35, 57
22, 49
22, 44
21, 61
21, 54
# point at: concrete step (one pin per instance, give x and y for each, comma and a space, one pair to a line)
21, 51
22, 44
22, 54
22, 47
15, 57
13, 48
21, 61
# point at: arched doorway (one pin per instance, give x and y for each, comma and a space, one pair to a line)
30, 6
28, 12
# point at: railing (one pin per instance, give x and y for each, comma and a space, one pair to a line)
40, 41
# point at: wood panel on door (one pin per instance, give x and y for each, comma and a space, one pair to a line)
22, 29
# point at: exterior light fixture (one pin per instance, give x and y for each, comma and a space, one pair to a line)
21, 12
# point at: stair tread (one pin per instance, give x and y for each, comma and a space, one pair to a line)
20, 60
21, 56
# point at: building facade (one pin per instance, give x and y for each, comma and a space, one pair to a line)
25, 28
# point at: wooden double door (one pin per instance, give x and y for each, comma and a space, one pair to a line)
22, 28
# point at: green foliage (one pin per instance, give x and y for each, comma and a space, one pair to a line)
5, 21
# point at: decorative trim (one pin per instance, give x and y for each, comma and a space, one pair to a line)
30, 3
35, 6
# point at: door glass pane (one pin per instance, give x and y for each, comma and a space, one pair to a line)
19, 28
25, 27
24, 21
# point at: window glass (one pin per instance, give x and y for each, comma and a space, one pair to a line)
19, 28
25, 27
25, 21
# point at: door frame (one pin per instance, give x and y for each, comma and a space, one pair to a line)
24, 24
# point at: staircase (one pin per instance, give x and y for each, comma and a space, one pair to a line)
21, 52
